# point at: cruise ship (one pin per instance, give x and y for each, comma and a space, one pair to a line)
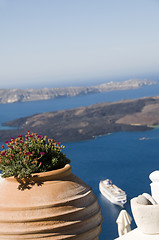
112, 192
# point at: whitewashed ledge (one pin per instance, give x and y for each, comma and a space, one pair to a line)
136, 234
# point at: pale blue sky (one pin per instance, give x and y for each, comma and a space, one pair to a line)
51, 42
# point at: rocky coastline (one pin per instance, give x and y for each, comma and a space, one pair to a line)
25, 95
88, 122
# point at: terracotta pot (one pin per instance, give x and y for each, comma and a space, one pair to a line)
51, 205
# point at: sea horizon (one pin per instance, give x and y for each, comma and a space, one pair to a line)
84, 82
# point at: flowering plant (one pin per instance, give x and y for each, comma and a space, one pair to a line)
31, 154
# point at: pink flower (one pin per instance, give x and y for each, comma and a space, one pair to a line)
3, 153
2, 146
6, 142
39, 136
20, 136
28, 153
42, 153
21, 141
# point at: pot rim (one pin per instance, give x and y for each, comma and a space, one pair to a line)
49, 175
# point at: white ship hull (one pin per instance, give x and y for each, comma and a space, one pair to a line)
113, 193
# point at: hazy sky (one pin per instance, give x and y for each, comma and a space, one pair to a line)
63, 41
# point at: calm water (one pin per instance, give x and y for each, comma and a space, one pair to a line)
121, 156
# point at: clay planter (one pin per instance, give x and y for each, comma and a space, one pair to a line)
146, 217
51, 205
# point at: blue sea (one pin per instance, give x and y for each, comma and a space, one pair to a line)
121, 156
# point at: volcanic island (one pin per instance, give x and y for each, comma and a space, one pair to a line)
84, 123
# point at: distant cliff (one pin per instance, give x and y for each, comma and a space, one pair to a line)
23, 95
88, 122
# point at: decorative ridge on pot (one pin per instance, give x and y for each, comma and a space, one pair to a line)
50, 175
